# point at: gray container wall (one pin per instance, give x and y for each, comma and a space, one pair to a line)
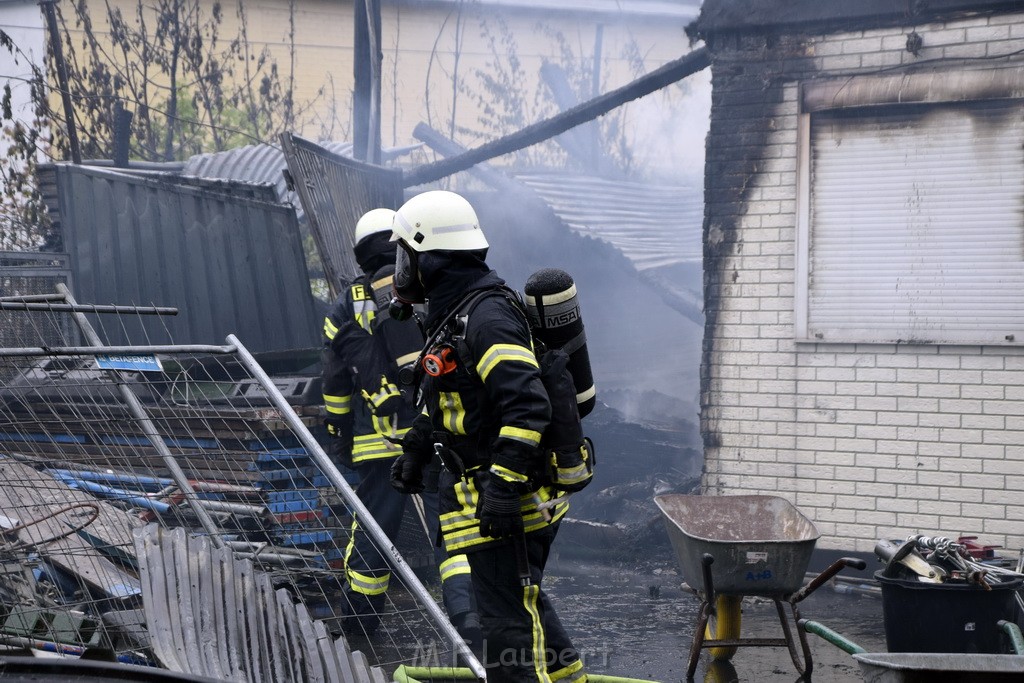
230, 264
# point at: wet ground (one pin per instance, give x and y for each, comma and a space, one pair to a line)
639, 623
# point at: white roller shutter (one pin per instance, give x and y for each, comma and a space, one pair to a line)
916, 224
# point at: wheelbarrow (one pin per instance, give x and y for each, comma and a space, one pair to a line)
737, 546
930, 667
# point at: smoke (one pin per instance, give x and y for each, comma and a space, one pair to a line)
669, 129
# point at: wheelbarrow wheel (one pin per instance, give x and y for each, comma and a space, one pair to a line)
724, 625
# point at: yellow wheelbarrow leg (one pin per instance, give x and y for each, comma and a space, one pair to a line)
724, 624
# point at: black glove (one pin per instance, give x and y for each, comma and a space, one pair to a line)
339, 447
407, 474
386, 400
417, 452
499, 510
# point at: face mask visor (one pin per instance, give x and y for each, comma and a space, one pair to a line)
408, 284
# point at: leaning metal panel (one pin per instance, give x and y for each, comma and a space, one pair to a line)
231, 264
335, 191
30, 273
81, 470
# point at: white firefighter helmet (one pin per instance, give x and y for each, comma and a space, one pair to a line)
372, 222
438, 221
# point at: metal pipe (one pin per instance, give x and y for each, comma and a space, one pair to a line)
667, 74
53, 296
366, 520
90, 308
112, 350
242, 509
116, 494
148, 428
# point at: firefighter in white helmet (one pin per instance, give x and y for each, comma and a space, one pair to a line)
364, 409
486, 409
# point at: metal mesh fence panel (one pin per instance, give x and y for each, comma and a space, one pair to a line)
204, 448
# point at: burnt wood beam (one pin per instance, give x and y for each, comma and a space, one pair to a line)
542, 130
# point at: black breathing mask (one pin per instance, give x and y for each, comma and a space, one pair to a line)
408, 279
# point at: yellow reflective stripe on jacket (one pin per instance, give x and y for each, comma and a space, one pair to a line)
461, 528
407, 358
330, 329
453, 414
362, 583
375, 446
363, 307
504, 352
366, 584
530, 437
338, 405
509, 475
572, 475
453, 566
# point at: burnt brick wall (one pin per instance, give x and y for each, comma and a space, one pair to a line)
869, 440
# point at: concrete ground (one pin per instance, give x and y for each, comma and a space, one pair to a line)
639, 623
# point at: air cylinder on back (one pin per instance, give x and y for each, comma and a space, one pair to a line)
555, 317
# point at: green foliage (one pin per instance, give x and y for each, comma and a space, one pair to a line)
24, 222
190, 89
502, 100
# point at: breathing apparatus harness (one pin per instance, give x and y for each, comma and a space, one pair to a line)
446, 351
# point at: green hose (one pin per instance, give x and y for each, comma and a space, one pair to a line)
423, 674
1016, 639
837, 639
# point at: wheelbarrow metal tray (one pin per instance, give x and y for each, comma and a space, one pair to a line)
761, 544
935, 667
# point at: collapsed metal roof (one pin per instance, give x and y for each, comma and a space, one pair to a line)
265, 164
196, 595
652, 225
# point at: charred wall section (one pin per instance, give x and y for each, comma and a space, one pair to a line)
748, 111
870, 440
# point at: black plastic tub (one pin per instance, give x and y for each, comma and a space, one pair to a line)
946, 617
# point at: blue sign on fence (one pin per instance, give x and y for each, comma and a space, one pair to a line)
134, 363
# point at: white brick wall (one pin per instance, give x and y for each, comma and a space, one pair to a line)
870, 441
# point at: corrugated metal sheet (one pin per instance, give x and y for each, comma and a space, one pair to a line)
335, 191
265, 164
231, 264
653, 225
209, 614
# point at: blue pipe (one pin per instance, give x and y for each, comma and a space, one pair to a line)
146, 483
109, 492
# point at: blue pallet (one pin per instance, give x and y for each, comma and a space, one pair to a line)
274, 455
308, 526
176, 442
292, 495
292, 506
306, 538
299, 476
321, 481
268, 463
333, 554
42, 438
276, 444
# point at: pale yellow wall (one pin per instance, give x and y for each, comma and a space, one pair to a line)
418, 40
